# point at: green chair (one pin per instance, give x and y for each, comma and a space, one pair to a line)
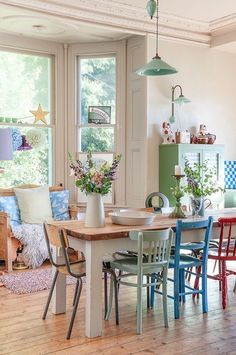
153, 260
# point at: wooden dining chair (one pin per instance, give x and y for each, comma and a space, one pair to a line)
58, 238
152, 259
226, 251
182, 263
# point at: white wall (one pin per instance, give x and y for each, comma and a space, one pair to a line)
208, 79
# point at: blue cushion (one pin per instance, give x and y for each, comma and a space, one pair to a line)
9, 205
60, 205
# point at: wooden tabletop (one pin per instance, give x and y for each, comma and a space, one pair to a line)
77, 228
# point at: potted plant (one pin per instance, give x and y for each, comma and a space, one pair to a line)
201, 183
95, 180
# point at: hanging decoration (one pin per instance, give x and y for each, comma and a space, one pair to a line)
16, 139
40, 115
25, 145
35, 137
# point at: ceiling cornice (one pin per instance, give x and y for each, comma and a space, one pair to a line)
128, 18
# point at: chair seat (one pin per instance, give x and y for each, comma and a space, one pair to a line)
77, 268
130, 265
185, 261
214, 254
193, 246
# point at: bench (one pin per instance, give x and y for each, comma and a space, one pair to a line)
8, 243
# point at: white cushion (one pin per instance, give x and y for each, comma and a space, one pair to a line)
34, 204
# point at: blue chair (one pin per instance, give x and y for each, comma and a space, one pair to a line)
183, 263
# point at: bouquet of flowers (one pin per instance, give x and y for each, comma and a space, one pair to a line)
93, 178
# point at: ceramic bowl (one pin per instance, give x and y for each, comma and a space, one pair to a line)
132, 218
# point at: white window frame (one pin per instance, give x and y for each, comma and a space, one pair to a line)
95, 50
55, 51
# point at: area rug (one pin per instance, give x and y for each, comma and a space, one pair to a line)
30, 281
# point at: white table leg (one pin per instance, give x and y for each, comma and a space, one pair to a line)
93, 252
59, 293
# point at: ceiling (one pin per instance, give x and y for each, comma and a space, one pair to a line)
71, 21
199, 10
28, 23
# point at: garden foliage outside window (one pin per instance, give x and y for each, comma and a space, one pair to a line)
25, 82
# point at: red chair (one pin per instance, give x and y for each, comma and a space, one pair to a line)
226, 251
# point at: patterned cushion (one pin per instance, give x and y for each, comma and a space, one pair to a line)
9, 205
60, 205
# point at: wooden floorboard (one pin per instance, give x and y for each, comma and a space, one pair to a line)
22, 331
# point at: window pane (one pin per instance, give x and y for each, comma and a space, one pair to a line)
97, 139
24, 84
97, 85
29, 166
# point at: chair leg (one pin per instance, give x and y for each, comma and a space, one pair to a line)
224, 284
74, 309
110, 301
196, 282
148, 293
113, 284
152, 293
234, 290
204, 290
176, 293
76, 290
139, 303
164, 298
116, 299
50, 294
182, 276
220, 273
105, 293
214, 267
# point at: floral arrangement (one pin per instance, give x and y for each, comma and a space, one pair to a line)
201, 181
35, 137
92, 178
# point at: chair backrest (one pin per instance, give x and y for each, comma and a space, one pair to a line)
57, 237
157, 248
182, 225
227, 241
162, 197
53, 238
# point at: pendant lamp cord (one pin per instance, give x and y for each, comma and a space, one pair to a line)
157, 48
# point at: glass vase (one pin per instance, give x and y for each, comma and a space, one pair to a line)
197, 206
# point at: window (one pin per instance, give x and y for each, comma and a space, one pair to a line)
25, 82
97, 110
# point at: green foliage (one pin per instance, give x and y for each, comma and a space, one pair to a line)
91, 178
24, 83
201, 180
98, 88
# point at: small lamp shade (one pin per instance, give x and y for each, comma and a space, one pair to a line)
25, 145
6, 148
182, 100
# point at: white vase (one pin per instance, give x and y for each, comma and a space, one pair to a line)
95, 216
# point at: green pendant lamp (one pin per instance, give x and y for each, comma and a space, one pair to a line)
157, 66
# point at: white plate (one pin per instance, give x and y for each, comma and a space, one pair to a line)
132, 218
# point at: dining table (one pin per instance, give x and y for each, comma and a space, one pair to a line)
98, 245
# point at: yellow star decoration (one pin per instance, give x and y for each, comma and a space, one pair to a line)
40, 115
